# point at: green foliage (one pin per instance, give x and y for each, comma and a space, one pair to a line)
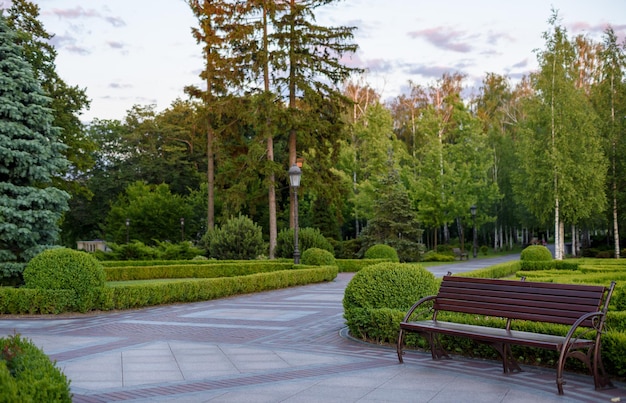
17, 301
390, 287
536, 253
180, 270
381, 251
394, 222
484, 249
354, 265
31, 156
28, 375
239, 238
307, 238
153, 213
136, 295
432, 256
66, 269
318, 257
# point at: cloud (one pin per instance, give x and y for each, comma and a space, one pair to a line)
444, 38
378, 65
428, 71
521, 64
77, 12
68, 43
118, 86
80, 13
116, 45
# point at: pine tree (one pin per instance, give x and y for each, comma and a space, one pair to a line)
30, 155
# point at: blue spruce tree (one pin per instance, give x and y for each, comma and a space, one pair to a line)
30, 156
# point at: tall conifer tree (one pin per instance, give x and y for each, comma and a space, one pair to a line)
30, 155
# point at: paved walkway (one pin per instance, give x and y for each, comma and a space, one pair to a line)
287, 345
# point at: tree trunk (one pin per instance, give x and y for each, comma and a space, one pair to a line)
210, 220
558, 251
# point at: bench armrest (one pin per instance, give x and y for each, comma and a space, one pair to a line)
416, 305
598, 323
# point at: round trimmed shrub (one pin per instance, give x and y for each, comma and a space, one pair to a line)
318, 257
381, 251
67, 269
378, 297
307, 238
536, 253
239, 238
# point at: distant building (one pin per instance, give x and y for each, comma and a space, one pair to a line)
92, 246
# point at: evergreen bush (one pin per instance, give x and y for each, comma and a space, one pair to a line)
307, 238
67, 269
381, 251
28, 375
387, 290
536, 253
239, 238
318, 257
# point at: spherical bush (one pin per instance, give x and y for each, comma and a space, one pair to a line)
318, 257
536, 253
67, 269
389, 285
382, 251
378, 296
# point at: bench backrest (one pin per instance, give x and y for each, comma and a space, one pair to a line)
524, 300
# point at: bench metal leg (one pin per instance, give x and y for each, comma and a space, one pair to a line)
400, 345
436, 348
509, 364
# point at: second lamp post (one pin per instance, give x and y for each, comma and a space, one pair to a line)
475, 241
294, 180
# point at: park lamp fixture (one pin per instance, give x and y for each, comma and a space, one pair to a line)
295, 173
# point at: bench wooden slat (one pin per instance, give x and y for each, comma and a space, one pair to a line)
495, 335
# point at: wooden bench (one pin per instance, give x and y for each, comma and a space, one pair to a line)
458, 253
581, 307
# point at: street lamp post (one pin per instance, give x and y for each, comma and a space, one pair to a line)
127, 228
295, 173
182, 229
475, 241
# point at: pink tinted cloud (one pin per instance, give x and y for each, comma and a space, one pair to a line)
79, 12
444, 38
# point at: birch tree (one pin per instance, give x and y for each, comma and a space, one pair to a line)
562, 165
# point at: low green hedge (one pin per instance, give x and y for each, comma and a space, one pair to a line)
355, 265
187, 270
141, 294
28, 375
138, 293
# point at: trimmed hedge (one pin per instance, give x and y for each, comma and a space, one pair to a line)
354, 265
137, 293
186, 270
142, 294
28, 375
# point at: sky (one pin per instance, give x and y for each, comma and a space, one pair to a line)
141, 52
